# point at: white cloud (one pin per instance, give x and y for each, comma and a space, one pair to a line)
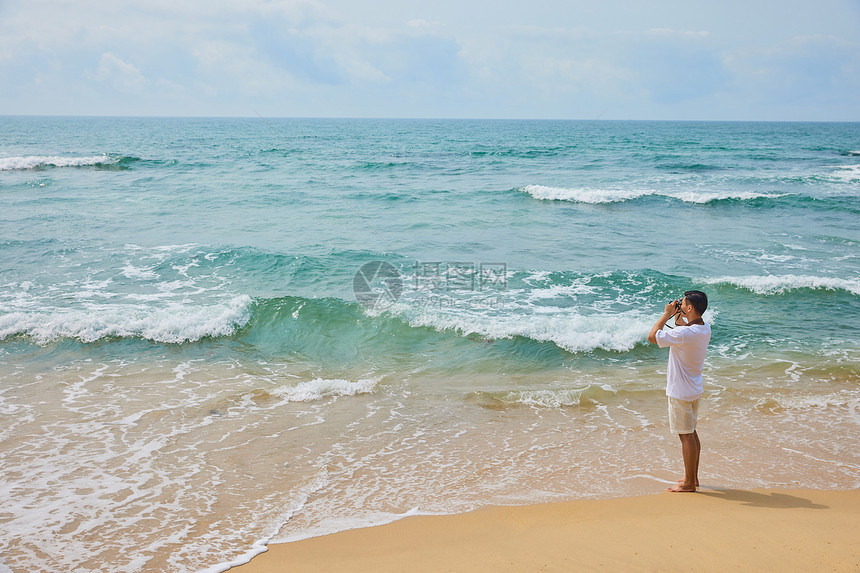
360, 71
812, 69
344, 57
680, 33
424, 24
122, 75
588, 75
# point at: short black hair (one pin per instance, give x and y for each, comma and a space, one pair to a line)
698, 299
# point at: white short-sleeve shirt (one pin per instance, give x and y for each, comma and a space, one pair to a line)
687, 348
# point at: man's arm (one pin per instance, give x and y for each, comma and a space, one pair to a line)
668, 313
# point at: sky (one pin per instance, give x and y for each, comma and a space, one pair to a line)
786, 60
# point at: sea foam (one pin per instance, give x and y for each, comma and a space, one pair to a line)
323, 388
586, 195
33, 161
567, 330
769, 284
846, 173
542, 398
805, 402
173, 324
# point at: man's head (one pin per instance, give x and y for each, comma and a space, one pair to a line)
698, 300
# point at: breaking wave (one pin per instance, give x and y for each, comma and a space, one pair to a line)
567, 329
46, 161
172, 324
594, 196
780, 284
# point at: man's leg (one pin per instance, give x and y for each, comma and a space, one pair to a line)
698, 453
682, 419
690, 448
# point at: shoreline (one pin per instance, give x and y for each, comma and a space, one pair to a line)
716, 529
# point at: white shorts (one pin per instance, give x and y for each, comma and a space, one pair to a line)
683, 415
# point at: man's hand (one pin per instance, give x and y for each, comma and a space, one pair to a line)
678, 313
668, 313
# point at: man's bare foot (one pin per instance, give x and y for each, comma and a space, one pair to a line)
682, 489
680, 481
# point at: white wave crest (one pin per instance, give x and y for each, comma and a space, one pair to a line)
570, 331
173, 324
708, 196
779, 284
585, 195
32, 161
322, 388
846, 173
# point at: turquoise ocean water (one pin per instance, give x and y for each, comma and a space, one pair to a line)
216, 333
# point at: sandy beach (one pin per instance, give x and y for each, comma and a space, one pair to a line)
713, 530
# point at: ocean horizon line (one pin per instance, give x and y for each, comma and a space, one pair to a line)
432, 118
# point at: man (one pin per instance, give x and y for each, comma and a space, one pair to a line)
688, 344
